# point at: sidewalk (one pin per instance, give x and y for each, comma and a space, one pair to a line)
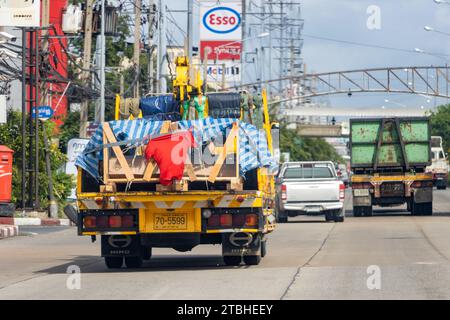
34, 221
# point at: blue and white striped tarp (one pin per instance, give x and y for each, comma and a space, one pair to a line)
253, 150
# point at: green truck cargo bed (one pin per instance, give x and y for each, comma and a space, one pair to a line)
390, 143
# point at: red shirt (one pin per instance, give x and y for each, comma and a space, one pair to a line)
170, 152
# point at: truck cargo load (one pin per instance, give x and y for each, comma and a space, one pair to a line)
389, 157
390, 144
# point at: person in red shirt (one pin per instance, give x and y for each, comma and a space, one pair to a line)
170, 152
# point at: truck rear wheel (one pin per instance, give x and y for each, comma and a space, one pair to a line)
422, 209
358, 211
232, 260
114, 262
368, 211
252, 260
133, 262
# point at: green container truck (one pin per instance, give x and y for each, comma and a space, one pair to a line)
388, 159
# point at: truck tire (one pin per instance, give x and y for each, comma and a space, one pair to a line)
232, 260
358, 211
339, 219
252, 260
133, 262
282, 219
114, 262
263, 248
146, 253
422, 209
368, 211
441, 187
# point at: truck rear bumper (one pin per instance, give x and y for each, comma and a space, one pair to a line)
312, 208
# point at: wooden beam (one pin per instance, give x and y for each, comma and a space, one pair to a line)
117, 151
228, 146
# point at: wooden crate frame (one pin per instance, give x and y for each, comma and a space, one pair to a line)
231, 146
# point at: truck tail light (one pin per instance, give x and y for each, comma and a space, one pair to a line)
283, 192
102, 222
341, 191
422, 184
127, 221
89, 222
115, 221
238, 220
251, 220
226, 220
416, 184
214, 220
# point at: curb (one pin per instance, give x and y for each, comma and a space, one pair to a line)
34, 222
8, 231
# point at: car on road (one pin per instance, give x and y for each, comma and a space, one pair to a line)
309, 188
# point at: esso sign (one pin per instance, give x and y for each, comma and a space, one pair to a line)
222, 20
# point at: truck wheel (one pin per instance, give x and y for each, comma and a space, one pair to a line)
133, 262
232, 260
422, 209
358, 211
368, 211
252, 260
282, 219
146, 253
263, 248
339, 219
114, 262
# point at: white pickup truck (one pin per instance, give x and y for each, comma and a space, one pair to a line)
309, 188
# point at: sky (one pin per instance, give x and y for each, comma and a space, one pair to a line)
401, 25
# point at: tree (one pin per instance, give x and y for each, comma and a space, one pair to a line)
11, 136
440, 124
306, 149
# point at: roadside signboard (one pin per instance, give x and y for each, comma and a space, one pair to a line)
74, 148
221, 50
232, 73
220, 20
44, 112
20, 13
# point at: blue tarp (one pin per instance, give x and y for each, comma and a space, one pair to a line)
253, 150
160, 108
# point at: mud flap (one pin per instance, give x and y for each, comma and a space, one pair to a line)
241, 244
120, 246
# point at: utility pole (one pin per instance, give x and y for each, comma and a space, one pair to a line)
137, 43
151, 22
102, 65
44, 33
162, 48
190, 25
86, 65
244, 35
53, 204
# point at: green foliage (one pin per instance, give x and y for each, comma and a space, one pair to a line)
440, 124
306, 149
11, 136
70, 129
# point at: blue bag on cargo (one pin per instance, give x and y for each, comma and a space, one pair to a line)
160, 108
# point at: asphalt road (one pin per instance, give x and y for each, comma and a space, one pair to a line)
389, 256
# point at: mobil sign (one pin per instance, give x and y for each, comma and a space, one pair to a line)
220, 20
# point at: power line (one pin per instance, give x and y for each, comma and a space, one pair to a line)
368, 45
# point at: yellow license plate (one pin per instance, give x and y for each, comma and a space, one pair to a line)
170, 221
